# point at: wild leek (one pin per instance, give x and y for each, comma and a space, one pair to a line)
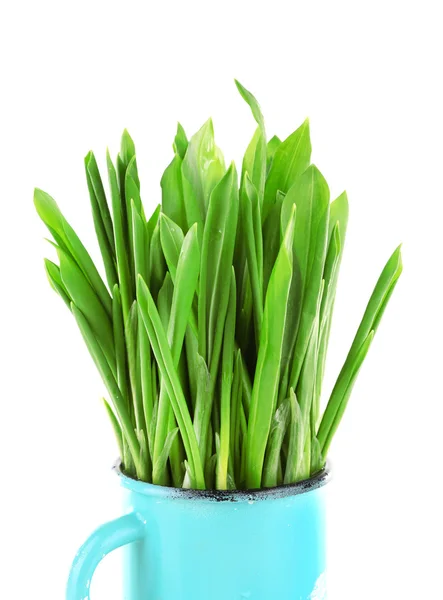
212, 329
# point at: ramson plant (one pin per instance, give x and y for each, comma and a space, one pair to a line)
212, 331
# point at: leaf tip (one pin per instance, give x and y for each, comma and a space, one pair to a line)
38, 195
398, 254
238, 85
127, 146
89, 158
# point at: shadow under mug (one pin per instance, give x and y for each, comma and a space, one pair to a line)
213, 545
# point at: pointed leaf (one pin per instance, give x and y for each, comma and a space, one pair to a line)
226, 389
171, 237
253, 104
311, 196
271, 149
54, 277
111, 384
165, 361
276, 435
180, 142
291, 159
203, 167
296, 441
265, 387
85, 298
121, 251
68, 240
115, 426
216, 261
173, 203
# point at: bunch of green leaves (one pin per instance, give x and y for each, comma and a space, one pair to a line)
212, 328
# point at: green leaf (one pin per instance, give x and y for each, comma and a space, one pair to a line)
291, 159
165, 361
184, 290
254, 161
176, 455
133, 202
146, 381
127, 151
173, 203
276, 435
95, 180
330, 273
102, 219
191, 345
338, 220
84, 296
339, 214
120, 344
153, 221
226, 389
145, 459
157, 264
115, 426
131, 329
155, 376
140, 243
271, 149
160, 465
340, 395
265, 387
254, 252
119, 214
330, 277
271, 239
246, 387
252, 102
164, 300
203, 167
180, 142
306, 385
235, 436
203, 405
68, 240
111, 385
216, 261
54, 277
378, 301
132, 187
360, 346
171, 237
244, 292
188, 269
317, 460
296, 441
210, 469
311, 195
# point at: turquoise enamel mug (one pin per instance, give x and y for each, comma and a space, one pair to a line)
213, 545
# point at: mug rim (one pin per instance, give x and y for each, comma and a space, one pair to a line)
283, 491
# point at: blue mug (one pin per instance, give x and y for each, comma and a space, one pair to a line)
213, 545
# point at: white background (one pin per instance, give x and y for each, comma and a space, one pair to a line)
368, 74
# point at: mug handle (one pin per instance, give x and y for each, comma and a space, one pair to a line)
108, 537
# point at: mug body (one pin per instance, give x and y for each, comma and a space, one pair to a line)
201, 545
